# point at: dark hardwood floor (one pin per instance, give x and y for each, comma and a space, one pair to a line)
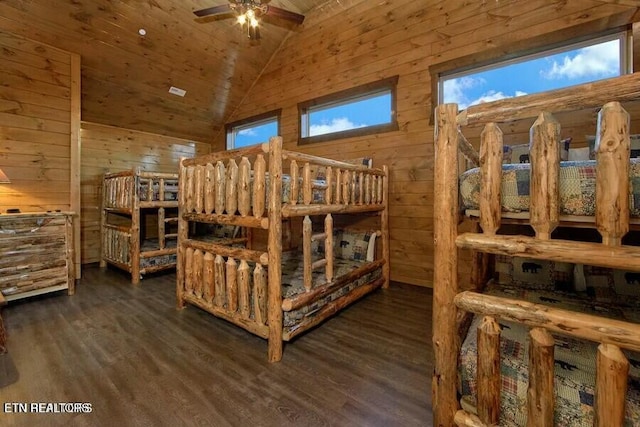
138, 361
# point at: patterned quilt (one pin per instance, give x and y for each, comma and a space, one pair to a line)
574, 363
577, 187
293, 284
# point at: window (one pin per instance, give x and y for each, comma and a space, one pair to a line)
572, 64
253, 130
363, 110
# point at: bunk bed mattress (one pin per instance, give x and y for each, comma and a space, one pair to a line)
293, 284
152, 245
577, 187
574, 362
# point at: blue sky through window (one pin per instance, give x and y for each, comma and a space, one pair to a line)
368, 111
255, 134
363, 112
590, 63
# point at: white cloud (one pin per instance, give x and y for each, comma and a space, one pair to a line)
492, 95
599, 60
336, 125
454, 90
248, 132
489, 96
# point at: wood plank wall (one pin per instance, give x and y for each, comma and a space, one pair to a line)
112, 149
36, 94
339, 48
39, 128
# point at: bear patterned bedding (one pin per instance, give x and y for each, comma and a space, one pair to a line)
607, 293
352, 249
577, 187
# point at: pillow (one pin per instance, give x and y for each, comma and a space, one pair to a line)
520, 152
534, 273
634, 144
352, 245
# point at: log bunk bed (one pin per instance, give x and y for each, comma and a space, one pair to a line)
553, 324
127, 197
274, 293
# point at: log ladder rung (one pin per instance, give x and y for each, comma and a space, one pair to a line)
307, 238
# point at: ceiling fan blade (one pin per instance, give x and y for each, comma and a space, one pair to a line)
284, 14
211, 11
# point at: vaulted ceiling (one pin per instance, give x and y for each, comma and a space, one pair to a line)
126, 77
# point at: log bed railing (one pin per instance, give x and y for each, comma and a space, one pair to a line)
611, 220
244, 187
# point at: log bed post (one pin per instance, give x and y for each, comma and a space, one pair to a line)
183, 235
489, 380
540, 392
328, 245
491, 178
544, 155
446, 342
274, 299
259, 187
106, 191
612, 373
306, 252
134, 242
384, 225
612, 173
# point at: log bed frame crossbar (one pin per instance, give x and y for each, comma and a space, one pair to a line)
611, 220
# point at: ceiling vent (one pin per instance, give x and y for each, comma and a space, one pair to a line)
177, 91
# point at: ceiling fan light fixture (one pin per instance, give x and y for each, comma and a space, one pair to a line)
249, 12
248, 15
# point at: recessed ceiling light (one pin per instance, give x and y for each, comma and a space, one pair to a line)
142, 32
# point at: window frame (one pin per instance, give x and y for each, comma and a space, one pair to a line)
344, 97
570, 45
231, 128
521, 48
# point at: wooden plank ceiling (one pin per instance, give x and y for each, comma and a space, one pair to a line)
126, 77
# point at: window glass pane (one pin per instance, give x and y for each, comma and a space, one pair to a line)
362, 112
253, 133
541, 73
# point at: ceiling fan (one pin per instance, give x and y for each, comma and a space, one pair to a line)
248, 14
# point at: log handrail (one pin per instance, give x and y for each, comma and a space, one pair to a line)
622, 257
580, 325
227, 251
588, 95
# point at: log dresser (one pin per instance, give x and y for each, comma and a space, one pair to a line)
36, 254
